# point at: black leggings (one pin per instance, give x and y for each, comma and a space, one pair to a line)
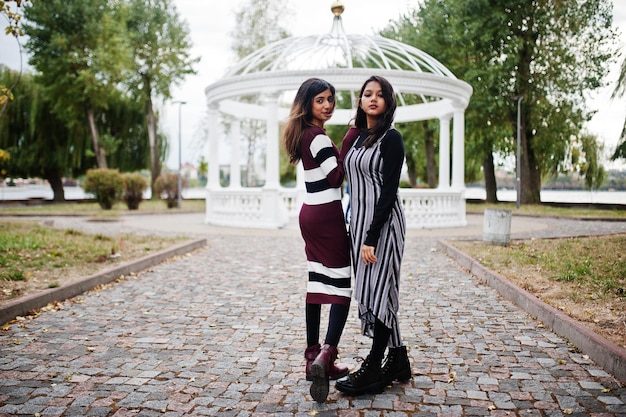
336, 323
379, 342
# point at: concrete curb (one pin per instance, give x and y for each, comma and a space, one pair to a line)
21, 306
605, 353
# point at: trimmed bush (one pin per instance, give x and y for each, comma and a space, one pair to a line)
106, 185
134, 186
166, 187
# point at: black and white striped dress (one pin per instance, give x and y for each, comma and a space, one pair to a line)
377, 219
322, 221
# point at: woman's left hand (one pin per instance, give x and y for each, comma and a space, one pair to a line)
367, 254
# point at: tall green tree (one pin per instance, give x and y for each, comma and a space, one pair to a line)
430, 29
42, 145
39, 143
161, 45
80, 52
553, 53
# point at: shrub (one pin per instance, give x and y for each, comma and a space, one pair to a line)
106, 185
134, 186
166, 186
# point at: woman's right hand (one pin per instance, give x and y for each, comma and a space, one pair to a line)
367, 254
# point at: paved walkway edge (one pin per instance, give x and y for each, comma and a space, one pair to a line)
605, 353
21, 306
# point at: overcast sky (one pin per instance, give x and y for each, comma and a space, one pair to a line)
211, 24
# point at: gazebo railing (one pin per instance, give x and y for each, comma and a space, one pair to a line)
252, 207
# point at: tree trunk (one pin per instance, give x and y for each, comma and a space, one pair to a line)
431, 163
151, 123
530, 178
56, 183
491, 186
100, 152
533, 192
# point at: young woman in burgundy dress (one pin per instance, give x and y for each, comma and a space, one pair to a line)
323, 229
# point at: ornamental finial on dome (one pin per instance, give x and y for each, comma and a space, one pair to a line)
337, 8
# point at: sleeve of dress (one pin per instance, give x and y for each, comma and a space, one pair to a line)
392, 150
326, 155
348, 141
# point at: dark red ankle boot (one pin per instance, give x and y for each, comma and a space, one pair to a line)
323, 368
310, 354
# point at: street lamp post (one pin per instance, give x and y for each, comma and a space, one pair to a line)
180, 162
518, 166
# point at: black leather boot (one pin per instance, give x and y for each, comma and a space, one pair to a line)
367, 380
396, 366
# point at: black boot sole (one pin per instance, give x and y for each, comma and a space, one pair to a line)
374, 388
402, 377
319, 387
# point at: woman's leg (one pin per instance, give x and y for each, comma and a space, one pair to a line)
336, 323
397, 366
379, 344
313, 313
324, 368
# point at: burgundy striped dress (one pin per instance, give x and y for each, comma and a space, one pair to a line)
322, 223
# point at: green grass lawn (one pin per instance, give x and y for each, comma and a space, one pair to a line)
94, 210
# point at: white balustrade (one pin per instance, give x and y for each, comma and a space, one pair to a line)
247, 207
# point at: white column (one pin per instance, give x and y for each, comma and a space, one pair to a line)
458, 150
213, 177
272, 164
235, 156
444, 152
273, 211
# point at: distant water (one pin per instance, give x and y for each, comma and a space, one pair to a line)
553, 196
25, 192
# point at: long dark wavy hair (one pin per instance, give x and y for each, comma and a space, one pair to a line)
301, 115
385, 121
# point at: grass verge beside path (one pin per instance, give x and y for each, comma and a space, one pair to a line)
583, 277
35, 256
93, 209
541, 210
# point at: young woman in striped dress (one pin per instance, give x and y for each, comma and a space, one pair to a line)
323, 229
377, 230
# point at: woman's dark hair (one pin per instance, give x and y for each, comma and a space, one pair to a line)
384, 122
301, 115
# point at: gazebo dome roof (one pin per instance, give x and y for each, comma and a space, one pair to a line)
338, 50
425, 88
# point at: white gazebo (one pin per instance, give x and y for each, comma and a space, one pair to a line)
273, 74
